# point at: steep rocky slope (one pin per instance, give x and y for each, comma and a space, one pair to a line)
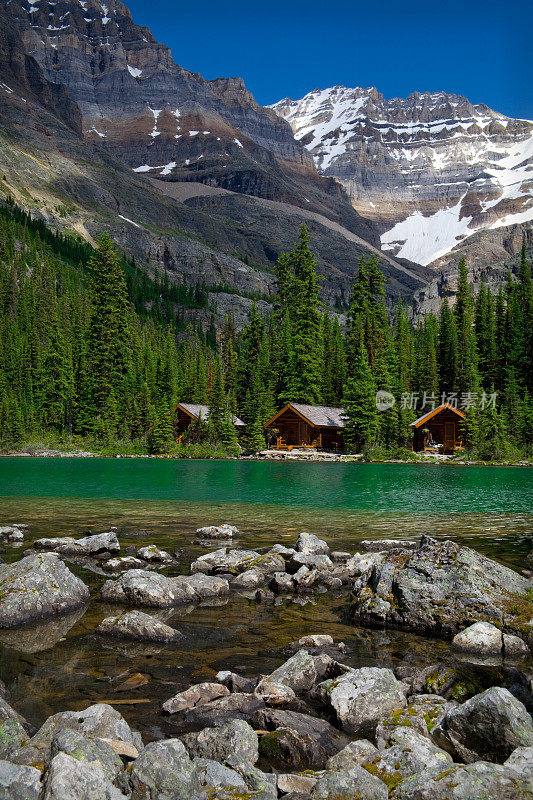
432, 170
77, 185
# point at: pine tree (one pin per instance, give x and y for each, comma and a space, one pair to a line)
361, 426
467, 374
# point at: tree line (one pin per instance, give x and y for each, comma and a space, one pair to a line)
95, 351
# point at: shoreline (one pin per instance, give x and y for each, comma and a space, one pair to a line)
272, 455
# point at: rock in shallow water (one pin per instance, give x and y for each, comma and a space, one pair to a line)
36, 587
87, 546
485, 639
218, 532
488, 727
140, 587
196, 695
437, 588
139, 626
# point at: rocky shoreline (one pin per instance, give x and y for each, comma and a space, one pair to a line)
314, 728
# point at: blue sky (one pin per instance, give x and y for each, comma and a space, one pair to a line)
479, 49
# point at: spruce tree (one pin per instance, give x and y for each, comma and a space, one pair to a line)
361, 425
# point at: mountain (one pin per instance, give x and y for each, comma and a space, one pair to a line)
433, 170
189, 176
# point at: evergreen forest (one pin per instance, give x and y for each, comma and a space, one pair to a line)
95, 354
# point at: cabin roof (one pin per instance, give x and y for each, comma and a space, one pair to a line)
317, 416
195, 411
430, 414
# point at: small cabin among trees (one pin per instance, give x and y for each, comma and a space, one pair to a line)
191, 412
439, 429
299, 425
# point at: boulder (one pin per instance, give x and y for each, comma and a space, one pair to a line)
238, 705
235, 682
310, 544
275, 693
234, 562
139, 626
406, 754
479, 781
162, 771
14, 534
214, 776
13, 730
262, 785
361, 698
422, 714
305, 579
218, 532
202, 587
353, 755
281, 583
235, 738
485, 639
488, 727
154, 555
140, 587
295, 740
99, 721
521, 760
286, 552
357, 783
36, 587
300, 783
316, 640
298, 673
122, 564
18, 782
87, 546
438, 588
75, 744
321, 563
249, 580
194, 696
71, 779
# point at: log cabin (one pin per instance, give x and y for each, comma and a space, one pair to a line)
187, 412
438, 430
299, 425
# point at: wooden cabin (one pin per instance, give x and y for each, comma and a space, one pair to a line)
187, 412
438, 430
298, 425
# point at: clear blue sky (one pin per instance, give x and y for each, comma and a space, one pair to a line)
288, 47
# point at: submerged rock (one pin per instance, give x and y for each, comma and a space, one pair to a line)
36, 587
439, 587
14, 534
154, 554
140, 626
234, 562
218, 532
488, 727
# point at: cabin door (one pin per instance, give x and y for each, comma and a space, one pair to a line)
449, 436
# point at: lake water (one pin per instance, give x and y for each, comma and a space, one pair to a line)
63, 665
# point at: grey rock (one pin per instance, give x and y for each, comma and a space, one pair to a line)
154, 554
281, 583
479, 781
249, 580
218, 532
196, 695
11, 533
514, 646
122, 564
12, 736
75, 744
305, 579
488, 727
164, 771
361, 698
235, 738
36, 587
286, 552
262, 784
521, 760
295, 740
18, 782
140, 587
224, 560
353, 755
355, 783
213, 775
274, 693
139, 626
203, 587
409, 752
239, 705
87, 546
235, 682
436, 589
485, 639
298, 673
321, 563
300, 783
71, 779
340, 556
422, 714
310, 544
316, 640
